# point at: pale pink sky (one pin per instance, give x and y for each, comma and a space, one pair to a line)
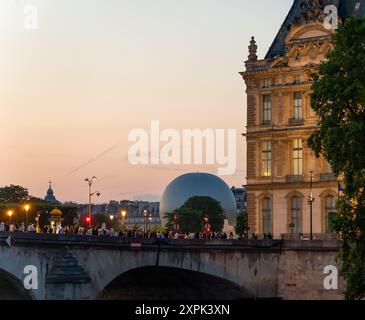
96, 69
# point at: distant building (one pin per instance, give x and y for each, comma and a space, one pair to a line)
50, 197
135, 212
141, 213
240, 196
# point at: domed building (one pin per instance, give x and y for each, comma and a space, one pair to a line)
198, 184
50, 197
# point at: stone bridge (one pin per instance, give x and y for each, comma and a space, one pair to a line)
77, 267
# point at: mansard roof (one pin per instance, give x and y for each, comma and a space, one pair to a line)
346, 8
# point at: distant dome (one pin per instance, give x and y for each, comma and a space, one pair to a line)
50, 197
198, 184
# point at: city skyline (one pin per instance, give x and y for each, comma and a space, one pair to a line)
75, 87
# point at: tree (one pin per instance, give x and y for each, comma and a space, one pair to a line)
185, 220
190, 217
13, 194
241, 224
338, 98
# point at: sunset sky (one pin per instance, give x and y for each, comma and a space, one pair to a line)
72, 90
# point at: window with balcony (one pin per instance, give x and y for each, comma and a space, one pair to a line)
266, 159
267, 109
298, 157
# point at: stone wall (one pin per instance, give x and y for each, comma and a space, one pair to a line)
71, 267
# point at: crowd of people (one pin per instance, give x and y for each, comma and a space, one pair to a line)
105, 232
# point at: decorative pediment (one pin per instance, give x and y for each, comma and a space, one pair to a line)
307, 32
311, 50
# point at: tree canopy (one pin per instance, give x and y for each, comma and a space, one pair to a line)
190, 217
13, 193
338, 98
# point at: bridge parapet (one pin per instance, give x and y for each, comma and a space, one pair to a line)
40, 239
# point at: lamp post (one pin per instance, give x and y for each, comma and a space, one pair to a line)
310, 202
145, 220
111, 220
149, 221
91, 194
124, 213
10, 214
26, 208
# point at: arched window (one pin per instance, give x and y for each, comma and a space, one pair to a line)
330, 210
267, 215
296, 215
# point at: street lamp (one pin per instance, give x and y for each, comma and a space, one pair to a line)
124, 213
26, 208
310, 202
149, 221
10, 214
91, 194
145, 220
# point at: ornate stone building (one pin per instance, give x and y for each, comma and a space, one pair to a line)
280, 165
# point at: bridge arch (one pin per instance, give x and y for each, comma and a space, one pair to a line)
166, 283
11, 288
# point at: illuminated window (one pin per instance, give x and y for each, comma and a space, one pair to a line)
298, 157
296, 215
298, 106
266, 159
267, 110
267, 215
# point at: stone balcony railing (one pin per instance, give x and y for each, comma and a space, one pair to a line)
259, 65
327, 177
296, 122
294, 178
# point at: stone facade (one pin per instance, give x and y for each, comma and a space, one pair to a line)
280, 165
